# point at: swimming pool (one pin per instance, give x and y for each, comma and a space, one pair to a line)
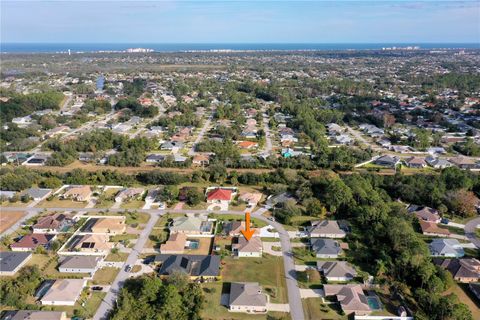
374, 303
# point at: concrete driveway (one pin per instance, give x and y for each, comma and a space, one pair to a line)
312, 293
218, 206
268, 248
279, 307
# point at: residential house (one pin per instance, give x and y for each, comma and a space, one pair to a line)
336, 270
462, 270
251, 198
7, 194
438, 163
351, 298
93, 244
78, 193
175, 244
191, 225
247, 248
53, 223
326, 229
129, 193
415, 162
11, 262
37, 194
64, 292
247, 297
22, 121
151, 197
34, 315
233, 228
463, 162
475, 289
446, 248
220, 195
173, 146
196, 266
325, 248
425, 213
432, 229
387, 161
155, 158
31, 242
201, 160
111, 225
79, 264
247, 144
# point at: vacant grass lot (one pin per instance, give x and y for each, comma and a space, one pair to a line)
117, 257
59, 203
232, 217
105, 276
268, 271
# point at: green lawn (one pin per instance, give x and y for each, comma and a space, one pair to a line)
314, 309
212, 309
117, 257
304, 256
466, 296
123, 237
105, 276
268, 271
59, 203
230, 217
309, 279
132, 204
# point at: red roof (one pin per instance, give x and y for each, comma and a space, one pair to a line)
33, 240
220, 194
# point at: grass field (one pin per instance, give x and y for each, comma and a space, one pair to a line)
117, 257
466, 296
59, 203
133, 204
19, 204
9, 218
314, 309
227, 217
105, 276
268, 271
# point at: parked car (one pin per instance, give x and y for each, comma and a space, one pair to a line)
444, 221
97, 288
128, 268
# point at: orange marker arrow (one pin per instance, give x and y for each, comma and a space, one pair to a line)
247, 233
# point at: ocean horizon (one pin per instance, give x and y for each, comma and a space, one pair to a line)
182, 47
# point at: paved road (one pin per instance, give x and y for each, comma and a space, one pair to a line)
109, 301
294, 297
470, 229
268, 138
199, 138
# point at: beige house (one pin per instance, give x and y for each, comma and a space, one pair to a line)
351, 298
110, 225
80, 193
248, 248
191, 225
93, 244
64, 292
247, 297
175, 244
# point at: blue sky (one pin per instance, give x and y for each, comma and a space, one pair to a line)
245, 21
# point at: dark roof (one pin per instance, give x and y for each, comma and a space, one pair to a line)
81, 262
193, 265
325, 246
9, 261
460, 268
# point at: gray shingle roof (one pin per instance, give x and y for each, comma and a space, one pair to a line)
9, 261
247, 294
193, 265
325, 246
